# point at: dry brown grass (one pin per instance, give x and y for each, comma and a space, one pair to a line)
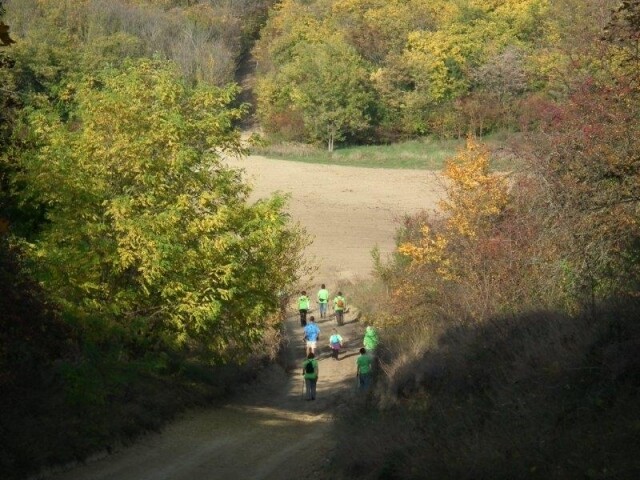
538, 395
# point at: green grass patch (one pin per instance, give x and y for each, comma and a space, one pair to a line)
423, 154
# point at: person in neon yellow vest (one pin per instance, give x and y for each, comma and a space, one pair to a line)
323, 300
339, 307
303, 307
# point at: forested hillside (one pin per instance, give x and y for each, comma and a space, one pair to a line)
137, 278
381, 70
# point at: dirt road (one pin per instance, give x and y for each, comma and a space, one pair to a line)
268, 431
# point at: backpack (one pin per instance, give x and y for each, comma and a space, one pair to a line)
340, 303
308, 368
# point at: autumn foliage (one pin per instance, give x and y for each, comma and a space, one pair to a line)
131, 258
511, 334
474, 200
510, 327
137, 278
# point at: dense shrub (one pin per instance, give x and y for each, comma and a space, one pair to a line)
541, 395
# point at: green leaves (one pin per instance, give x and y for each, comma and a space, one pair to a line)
330, 88
335, 70
316, 77
146, 222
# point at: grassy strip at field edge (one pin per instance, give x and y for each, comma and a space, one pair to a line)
424, 154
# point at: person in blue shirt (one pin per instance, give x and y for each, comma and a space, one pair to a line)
335, 343
311, 335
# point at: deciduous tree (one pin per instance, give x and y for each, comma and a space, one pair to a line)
147, 229
330, 87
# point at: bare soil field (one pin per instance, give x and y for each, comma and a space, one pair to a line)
268, 431
347, 210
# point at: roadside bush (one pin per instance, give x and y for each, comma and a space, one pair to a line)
64, 396
540, 395
511, 350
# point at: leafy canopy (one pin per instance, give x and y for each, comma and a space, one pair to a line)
147, 228
474, 200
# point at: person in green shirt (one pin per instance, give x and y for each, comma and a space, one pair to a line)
323, 300
303, 308
370, 340
364, 370
310, 371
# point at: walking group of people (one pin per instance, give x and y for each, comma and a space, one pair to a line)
339, 305
310, 366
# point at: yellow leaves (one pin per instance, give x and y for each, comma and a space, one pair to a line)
548, 65
438, 60
519, 11
474, 200
442, 56
429, 248
444, 11
474, 196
